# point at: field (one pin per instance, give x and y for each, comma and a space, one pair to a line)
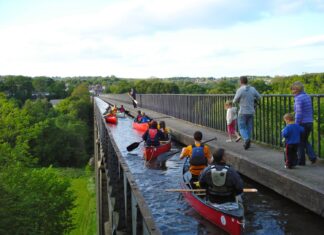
84, 214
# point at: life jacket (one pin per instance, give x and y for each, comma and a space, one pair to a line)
152, 133
139, 118
218, 180
152, 137
198, 157
165, 133
145, 119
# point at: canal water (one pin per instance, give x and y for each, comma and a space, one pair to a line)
265, 212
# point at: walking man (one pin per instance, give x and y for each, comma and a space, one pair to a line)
246, 96
132, 94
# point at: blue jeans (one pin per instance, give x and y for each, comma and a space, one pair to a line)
305, 145
245, 124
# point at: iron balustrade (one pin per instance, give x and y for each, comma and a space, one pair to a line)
208, 110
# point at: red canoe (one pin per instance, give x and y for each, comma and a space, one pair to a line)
152, 152
227, 216
140, 126
111, 119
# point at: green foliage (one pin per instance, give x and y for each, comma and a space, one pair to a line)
42, 84
261, 86
223, 87
119, 87
34, 201
59, 137
38, 110
313, 83
18, 87
191, 88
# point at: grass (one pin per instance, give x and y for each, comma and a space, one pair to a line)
84, 214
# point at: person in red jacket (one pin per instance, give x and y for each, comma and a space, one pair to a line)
153, 136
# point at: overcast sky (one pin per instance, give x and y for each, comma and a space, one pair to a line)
162, 38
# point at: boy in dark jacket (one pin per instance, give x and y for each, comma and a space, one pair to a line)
291, 133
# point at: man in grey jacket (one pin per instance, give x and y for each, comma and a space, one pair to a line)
246, 96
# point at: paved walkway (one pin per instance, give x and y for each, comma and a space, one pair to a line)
265, 165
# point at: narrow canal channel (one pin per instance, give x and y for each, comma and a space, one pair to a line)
265, 212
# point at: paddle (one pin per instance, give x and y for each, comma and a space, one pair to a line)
164, 156
133, 98
245, 190
133, 146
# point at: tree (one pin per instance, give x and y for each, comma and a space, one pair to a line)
223, 87
261, 86
34, 201
18, 87
42, 84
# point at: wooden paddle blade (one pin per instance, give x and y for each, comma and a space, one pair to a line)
250, 190
133, 146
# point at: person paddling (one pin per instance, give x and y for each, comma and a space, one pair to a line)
199, 155
164, 130
145, 118
153, 136
222, 182
139, 116
122, 109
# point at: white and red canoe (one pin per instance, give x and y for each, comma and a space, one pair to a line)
227, 216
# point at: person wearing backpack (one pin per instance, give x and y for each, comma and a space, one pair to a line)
199, 156
221, 181
153, 136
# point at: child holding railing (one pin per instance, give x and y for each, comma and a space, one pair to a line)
231, 117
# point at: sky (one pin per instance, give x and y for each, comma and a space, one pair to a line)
161, 38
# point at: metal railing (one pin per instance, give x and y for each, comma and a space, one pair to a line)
208, 110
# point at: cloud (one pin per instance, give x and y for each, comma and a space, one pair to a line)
309, 41
144, 38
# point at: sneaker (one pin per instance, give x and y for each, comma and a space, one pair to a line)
288, 167
313, 161
227, 141
247, 144
237, 139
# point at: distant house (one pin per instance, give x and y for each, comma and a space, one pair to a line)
55, 102
40, 94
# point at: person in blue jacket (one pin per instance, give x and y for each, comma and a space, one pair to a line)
304, 117
291, 134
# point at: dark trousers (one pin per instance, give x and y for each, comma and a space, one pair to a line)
304, 145
220, 199
134, 104
291, 155
194, 178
